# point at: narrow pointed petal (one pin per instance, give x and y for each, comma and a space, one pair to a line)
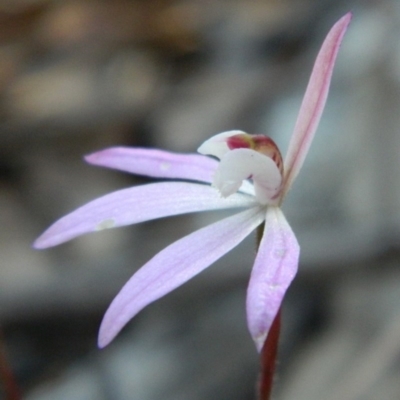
175, 265
138, 204
217, 145
240, 164
274, 269
313, 102
156, 163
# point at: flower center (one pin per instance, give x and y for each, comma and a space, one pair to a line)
260, 143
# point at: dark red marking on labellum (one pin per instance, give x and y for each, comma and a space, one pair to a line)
241, 141
260, 143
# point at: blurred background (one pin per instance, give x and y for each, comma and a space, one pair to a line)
78, 76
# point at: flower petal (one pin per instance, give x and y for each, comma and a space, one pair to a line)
217, 145
240, 164
156, 163
138, 204
175, 265
313, 102
274, 268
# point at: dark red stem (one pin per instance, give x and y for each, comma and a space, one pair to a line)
268, 359
7, 377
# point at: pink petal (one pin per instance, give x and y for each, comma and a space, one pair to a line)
217, 145
138, 204
175, 265
274, 268
240, 164
156, 163
313, 102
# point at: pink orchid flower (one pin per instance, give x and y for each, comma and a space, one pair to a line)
250, 175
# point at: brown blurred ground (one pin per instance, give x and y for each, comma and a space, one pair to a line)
77, 76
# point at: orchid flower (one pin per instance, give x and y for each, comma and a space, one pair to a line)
250, 174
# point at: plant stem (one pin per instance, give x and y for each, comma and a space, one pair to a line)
268, 359
6, 375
